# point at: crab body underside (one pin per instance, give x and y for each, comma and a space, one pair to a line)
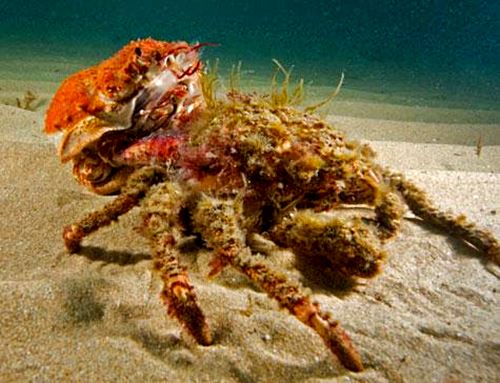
225, 170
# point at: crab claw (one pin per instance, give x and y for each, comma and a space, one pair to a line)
84, 133
148, 90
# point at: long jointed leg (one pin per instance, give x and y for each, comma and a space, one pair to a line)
135, 189
162, 226
178, 293
217, 221
458, 226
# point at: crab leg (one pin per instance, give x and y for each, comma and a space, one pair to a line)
178, 293
217, 221
135, 189
162, 226
458, 226
290, 297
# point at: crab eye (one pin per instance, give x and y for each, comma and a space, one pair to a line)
169, 60
138, 51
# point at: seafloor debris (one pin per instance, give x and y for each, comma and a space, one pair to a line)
29, 101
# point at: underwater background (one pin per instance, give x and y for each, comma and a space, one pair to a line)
421, 88
427, 52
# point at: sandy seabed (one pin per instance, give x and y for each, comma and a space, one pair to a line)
432, 316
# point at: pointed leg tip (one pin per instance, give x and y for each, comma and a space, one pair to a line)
182, 305
352, 362
72, 236
199, 330
206, 338
337, 340
341, 345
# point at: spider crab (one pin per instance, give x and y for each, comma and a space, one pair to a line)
146, 124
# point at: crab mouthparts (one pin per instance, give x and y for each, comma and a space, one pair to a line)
167, 102
170, 96
161, 111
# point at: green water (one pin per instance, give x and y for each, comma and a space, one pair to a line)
413, 53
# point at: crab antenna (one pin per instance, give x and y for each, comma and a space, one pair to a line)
198, 46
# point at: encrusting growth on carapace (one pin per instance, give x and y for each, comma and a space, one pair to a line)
149, 126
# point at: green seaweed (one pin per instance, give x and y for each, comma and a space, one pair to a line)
235, 77
479, 144
314, 107
280, 95
210, 83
